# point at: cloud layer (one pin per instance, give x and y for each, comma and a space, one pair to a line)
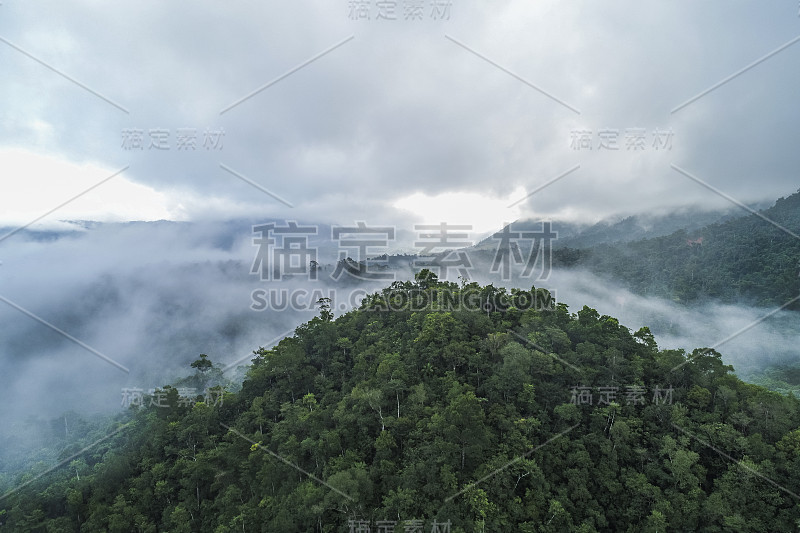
477, 103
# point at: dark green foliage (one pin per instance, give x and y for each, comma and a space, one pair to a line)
447, 414
746, 259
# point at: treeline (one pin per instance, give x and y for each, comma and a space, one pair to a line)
497, 419
746, 259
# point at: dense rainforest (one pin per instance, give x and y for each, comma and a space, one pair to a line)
421, 411
753, 259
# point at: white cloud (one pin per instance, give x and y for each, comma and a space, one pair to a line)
34, 184
482, 212
400, 108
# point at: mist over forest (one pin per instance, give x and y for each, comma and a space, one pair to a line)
152, 296
378, 265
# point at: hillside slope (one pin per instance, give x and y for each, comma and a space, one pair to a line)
456, 405
746, 259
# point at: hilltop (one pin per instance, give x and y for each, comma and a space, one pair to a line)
440, 402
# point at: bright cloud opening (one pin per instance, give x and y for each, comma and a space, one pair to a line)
34, 184
484, 214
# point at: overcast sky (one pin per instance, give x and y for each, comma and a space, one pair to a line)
473, 113
451, 114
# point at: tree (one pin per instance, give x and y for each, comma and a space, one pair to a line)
325, 312
202, 364
391, 414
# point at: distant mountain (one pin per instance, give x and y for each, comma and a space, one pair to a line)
647, 226
753, 259
620, 229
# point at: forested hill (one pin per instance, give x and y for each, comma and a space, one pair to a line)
465, 408
745, 259
630, 228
